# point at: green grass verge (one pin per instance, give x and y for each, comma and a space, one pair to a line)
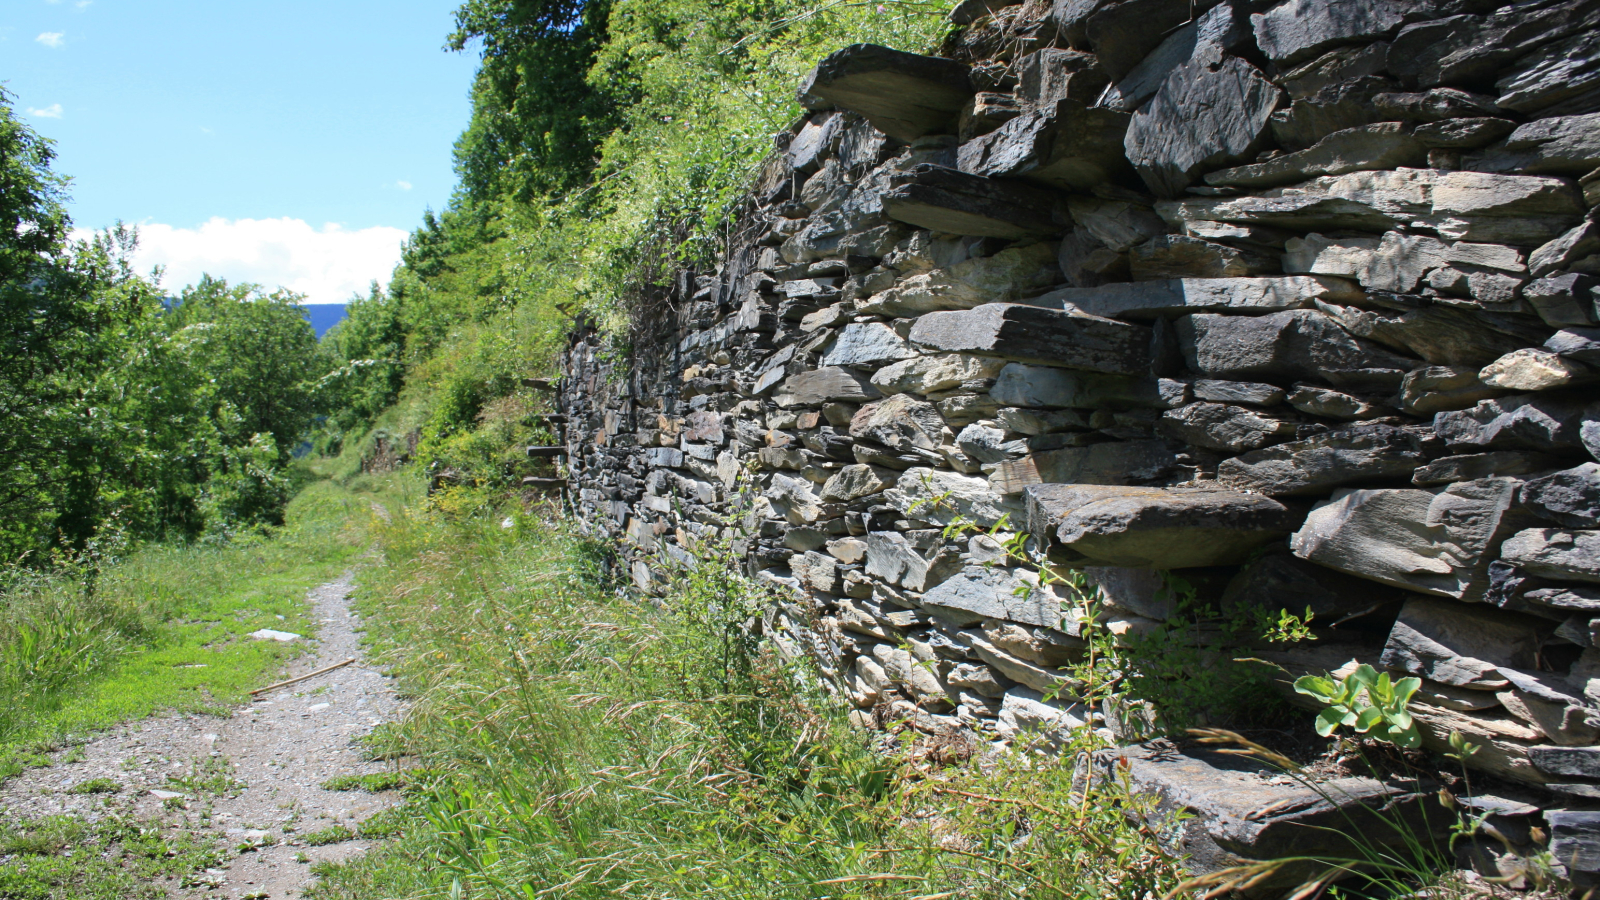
116, 858
166, 628
593, 743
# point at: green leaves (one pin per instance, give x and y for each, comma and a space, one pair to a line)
1366, 701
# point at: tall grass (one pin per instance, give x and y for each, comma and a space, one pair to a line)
603, 744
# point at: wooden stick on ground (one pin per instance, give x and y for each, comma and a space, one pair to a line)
273, 687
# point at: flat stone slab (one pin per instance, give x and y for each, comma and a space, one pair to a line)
1559, 553
1152, 527
949, 201
268, 634
1108, 463
1242, 809
820, 386
1384, 145
1032, 334
1299, 344
1178, 296
1358, 453
903, 95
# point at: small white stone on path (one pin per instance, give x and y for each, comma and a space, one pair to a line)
267, 634
166, 795
317, 706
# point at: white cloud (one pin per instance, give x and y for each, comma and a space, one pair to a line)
51, 39
53, 111
327, 265
403, 185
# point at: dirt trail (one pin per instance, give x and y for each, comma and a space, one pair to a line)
282, 747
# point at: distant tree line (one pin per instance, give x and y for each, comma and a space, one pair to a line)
126, 413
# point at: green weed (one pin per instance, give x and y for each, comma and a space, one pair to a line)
333, 834
65, 858
95, 786
208, 775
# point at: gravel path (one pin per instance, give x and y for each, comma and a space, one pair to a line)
282, 747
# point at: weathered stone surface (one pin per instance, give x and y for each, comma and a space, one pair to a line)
1439, 388
1354, 454
941, 496
1317, 401
1239, 811
1162, 528
1576, 248
1143, 591
1176, 296
948, 201
1108, 463
1064, 144
1008, 275
1581, 344
1331, 109
1250, 393
1382, 145
1523, 210
1436, 105
1532, 369
1458, 645
1562, 554
1561, 78
1038, 677
985, 112
1318, 255
818, 386
1473, 466
1567, 762
987, 592
1209, 112
1336, 66
981, 680
986, 444
929, 374
1575, 839
857, 481
1561, 145
1032, 334
1570, 497
921, 684
1470, 50
1042, 386
1438, 544
1552, 704
1045, 76
1399, 262
1440, 335
1463, 134
1118, 224
793, 499
903, 95
1292, 345
1025, 714
1520, 422
1224, 26
1567, 299
1219, 426
1298, 30
1181, 256
1037, 422
866, 345
816, 571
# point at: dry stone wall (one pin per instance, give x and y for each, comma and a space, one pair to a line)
1296, 299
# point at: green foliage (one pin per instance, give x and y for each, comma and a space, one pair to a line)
114, 858
1366, 702
333, 834
95, 786
141, 417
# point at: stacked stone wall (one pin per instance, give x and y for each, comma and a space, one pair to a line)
1295, 300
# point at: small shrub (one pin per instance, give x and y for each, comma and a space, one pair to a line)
95, 786
333, 834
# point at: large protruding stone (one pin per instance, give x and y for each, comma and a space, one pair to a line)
1438, 544
1562, 554
948, 201
1521, 422
1297, 30
1177, 296
1066, 144
1032, 334
1351, 455
1570, 497
1037, 387
1110, 463
1210, 112
1561, 145
1382, 145
902, 94
1523, 210
1459, 645
1295, 345
819, 386
1150, 527
901, 423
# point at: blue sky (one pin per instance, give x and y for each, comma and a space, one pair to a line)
288, 142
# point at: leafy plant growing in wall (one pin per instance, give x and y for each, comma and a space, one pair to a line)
1370, 703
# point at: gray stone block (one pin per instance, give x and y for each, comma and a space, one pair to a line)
947, 201
903, 95
1066, 144
1382, 145
992, 592
1031, 334
1562, 554
1177, 296
1358, 454
1147, 527
1295, 345
1461, 645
